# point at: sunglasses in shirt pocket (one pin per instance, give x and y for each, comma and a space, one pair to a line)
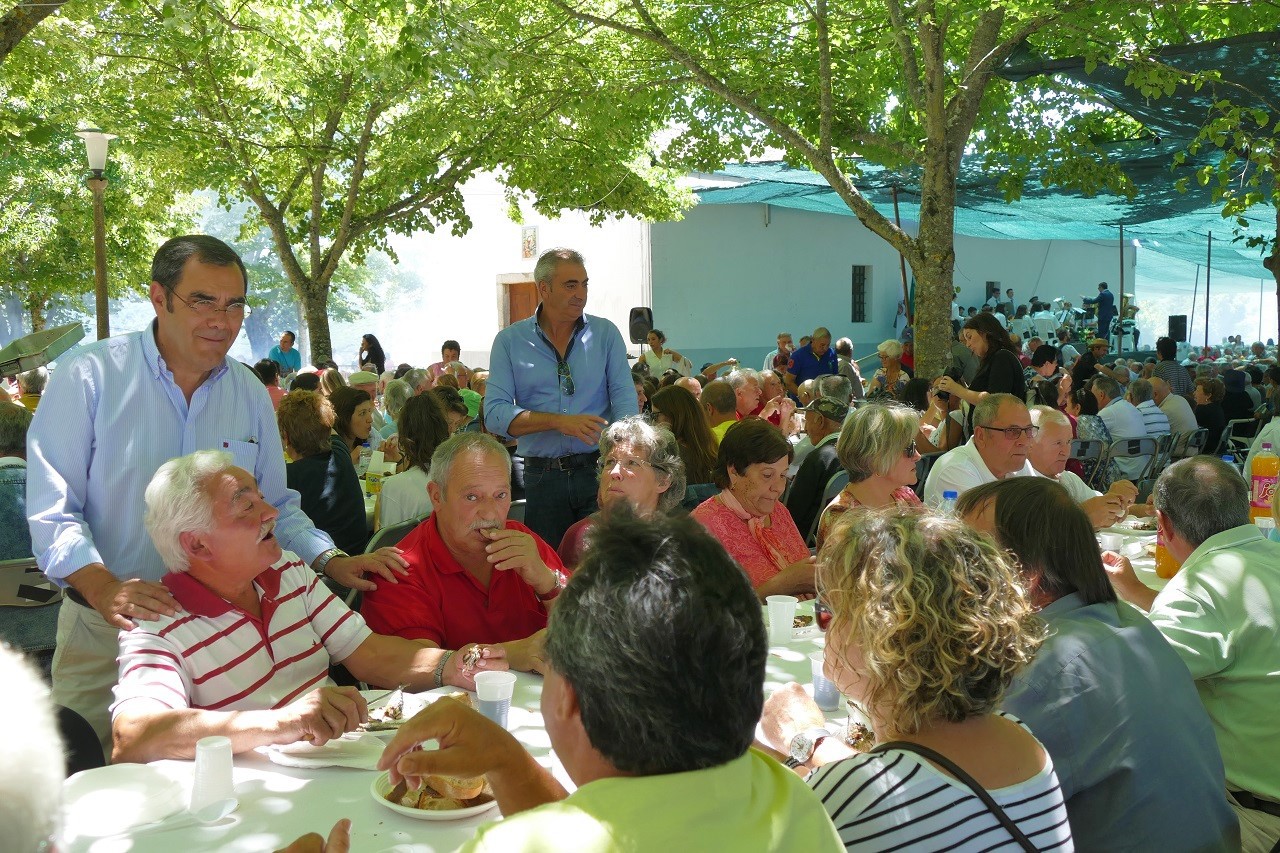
244, 453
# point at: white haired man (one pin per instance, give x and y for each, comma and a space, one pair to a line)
1219, 614
249, 657
1049, 453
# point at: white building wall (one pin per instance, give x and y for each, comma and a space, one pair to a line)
728, 278
459, 296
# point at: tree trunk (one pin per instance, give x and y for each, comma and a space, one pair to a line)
22, 19
315, 309
35, 310
1272, 262
935, 268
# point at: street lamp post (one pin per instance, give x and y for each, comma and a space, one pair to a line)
95, 143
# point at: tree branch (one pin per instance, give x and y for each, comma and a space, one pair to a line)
825, 106
910, 62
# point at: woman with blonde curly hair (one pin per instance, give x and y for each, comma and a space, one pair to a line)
929, 625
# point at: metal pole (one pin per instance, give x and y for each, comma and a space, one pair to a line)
1262, 295
902, 266
1191, 318
1120, 300
1208, 277
99, 186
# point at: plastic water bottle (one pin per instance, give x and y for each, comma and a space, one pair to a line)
948, 505
366, 453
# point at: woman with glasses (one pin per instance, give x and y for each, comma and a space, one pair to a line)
999, 370
890, 379
878, 447
748, 517
930, 624
640, 466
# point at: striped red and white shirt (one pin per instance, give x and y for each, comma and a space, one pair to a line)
216, 657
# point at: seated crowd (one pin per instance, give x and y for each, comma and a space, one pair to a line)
1023, 688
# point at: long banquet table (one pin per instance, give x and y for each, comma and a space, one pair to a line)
277, 804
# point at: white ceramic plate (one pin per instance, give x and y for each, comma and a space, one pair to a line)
360, 750
110, 800
382, 786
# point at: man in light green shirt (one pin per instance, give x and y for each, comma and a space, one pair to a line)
655, 666
1221, 614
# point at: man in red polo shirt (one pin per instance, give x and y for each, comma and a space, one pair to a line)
248, 654
474, 576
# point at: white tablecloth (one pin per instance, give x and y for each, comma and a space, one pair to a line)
278, 804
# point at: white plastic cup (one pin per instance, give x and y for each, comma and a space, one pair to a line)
782, 617
493, 695
1110, 541
825, 692
213, 772
1265, 524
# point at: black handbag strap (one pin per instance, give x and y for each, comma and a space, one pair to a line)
954, 769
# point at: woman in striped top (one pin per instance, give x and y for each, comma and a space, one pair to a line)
930, 623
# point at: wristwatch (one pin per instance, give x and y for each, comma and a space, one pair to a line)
805, 744
550, 594
323, 560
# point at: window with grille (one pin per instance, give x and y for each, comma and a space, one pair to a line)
859, 294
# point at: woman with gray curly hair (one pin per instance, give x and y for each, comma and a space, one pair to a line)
640, 464
930, 623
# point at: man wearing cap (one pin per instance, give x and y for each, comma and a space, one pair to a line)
1087, 365
812, 360
822, 421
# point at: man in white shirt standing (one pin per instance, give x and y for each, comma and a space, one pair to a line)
1002, 432
1123, 421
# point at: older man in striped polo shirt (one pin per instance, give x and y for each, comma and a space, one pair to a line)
249, 657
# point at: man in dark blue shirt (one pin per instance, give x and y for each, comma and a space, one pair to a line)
812, 360
1106, 303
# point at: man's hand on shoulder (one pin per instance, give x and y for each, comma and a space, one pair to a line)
585, 428
122, 602
350, 571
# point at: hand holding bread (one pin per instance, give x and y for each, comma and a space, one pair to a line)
470, 746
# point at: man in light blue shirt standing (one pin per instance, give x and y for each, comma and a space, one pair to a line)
556, 380
111, 416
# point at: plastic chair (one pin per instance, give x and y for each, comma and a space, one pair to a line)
1134, 448
84, 750
834, 486
1186, 444
923, 466
1090, 452
1234, 441
516, 513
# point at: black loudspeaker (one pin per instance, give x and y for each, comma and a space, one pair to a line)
639, 324
1178, 327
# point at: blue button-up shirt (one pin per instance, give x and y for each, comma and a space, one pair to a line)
111, 416
522, 377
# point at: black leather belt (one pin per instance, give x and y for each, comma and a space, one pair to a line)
563, 463
1249, 801
75, 596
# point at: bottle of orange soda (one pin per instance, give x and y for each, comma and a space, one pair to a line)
1263, 475
1166, 565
